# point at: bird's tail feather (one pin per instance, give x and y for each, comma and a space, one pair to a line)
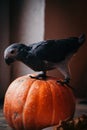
82, 39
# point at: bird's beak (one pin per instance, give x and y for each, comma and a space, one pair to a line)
9, 60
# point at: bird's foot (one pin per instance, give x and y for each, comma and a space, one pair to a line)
65, 81
41, 76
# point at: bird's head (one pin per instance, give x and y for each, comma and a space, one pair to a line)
13, 52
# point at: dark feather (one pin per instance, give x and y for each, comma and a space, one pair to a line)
55, 50
43, 56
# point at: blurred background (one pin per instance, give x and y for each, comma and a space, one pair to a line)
29, 21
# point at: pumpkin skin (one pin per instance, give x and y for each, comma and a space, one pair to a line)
32, 104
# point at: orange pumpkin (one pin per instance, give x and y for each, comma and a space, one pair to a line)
32, 104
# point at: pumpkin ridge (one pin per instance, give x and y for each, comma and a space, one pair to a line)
47, 82
28, 91
37, 107
12, 119
67, 92
60, 93
13, 100
40, 103
53, 112
54, 83
8, 112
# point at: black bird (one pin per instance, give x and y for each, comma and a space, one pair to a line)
45, 55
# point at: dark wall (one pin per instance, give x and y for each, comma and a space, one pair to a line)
20, 21
15, 10
4, 41
64, 19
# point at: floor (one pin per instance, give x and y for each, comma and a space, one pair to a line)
81, 108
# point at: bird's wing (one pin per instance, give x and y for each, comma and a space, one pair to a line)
55, 50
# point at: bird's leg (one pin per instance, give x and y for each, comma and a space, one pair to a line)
40, 76
63, 68
65, 81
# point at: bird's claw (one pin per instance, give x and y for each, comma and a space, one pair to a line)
39, 77
65, 81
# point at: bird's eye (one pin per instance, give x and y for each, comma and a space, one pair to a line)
12, 51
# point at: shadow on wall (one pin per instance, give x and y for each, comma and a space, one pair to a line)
65, 19
20, 22
4, 40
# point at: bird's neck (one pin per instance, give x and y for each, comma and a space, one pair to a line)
22, 54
